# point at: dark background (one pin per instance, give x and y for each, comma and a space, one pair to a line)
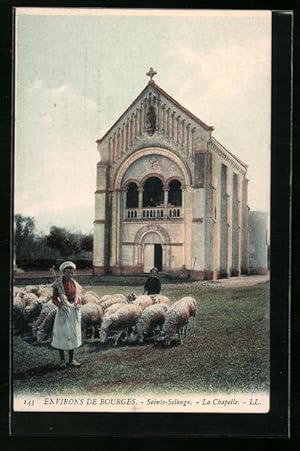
175, 431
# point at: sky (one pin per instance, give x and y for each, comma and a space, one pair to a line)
77, 71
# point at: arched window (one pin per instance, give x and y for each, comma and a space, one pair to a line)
175, 194
132, 197
153, 195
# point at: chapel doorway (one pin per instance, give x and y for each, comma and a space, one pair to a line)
153, 256
158, 256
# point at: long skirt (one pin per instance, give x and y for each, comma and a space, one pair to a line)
67, 329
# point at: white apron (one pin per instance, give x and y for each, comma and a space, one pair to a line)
66, 333
67, 329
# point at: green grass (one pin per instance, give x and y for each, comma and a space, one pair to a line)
228, 351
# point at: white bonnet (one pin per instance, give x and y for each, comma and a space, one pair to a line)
65, 265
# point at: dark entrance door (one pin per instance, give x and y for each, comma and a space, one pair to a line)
158, 257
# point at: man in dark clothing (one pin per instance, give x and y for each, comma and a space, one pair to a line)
152, 284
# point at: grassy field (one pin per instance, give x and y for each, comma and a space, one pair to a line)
228, 351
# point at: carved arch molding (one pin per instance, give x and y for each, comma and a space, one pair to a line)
152, 151
152, 228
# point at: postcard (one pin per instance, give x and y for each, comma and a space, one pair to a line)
141, 211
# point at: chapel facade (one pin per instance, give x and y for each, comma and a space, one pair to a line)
169, 195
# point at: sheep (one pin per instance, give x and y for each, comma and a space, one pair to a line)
28, 303
191, 303
45, 291
33, 310
143, 301
160, 299
91, 315
18, 313
113, 308
105, 297
151, 318
113, 299
32, 289
120, 321
177, 318
44, 299
29, 298
46, 309
89, 296
16, 291
46, 326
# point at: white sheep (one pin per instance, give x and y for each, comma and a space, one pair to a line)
177, 318
89, 296
152, 318
33, 310
105, 297
18, 313
29, 298
17, 290
191, 304
91, 315
113, 308
120, 322
143, 301
46, 309
160, 299
32, 289
113, 299
28, 303
45, 291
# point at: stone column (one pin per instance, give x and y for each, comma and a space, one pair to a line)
114, 226
140, 191
141, 118
123, 200
183, 135
163, 119
100, 223
188, 216
166, 192
188, 139
133, 132
229, 220
145, 114
211, 225
224, 267
168, 122
172, 125
178, 129
129, 132
158, 118
239, 221
127, 135
175, 135
155, 103
110, 150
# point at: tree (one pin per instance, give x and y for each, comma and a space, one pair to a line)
87, 242
67, 243
25, 238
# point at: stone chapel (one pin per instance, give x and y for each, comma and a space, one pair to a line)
169, 195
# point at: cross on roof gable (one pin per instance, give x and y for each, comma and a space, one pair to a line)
158, 89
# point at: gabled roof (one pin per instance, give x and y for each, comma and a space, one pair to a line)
231, 154
165, 94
